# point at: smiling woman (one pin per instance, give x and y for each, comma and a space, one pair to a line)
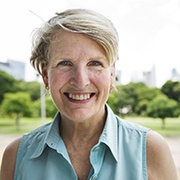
75, 52
86, 72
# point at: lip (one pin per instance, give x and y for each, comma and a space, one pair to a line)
79, 97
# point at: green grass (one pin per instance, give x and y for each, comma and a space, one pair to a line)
172, 125
7, 126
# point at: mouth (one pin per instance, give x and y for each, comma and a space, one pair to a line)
79, 97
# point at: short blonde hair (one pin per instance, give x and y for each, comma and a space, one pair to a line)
87, 22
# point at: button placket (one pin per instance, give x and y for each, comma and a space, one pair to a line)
97, 155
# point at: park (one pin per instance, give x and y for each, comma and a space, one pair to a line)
155, 108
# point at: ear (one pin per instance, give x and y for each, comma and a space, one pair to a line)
44, 73
113, 75
113, 71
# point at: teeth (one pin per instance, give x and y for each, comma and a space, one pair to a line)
79, 96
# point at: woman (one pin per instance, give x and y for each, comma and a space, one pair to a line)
75, 52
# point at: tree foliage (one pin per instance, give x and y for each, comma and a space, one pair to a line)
8, 84
140, 100
132, 98
163, 107
172, 90
17, 103
51, 110
32, 88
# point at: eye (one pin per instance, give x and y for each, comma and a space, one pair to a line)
94, 63
64, 63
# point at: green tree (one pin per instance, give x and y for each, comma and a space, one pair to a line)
33, 88
132, 98
141, 107
51, 109
113, 102
8, 84
177, 92
163, 107
17, 104
144, 96
172, 90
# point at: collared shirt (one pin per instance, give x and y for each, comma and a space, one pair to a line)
119, 154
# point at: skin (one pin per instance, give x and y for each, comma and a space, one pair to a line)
80, 77
79, 68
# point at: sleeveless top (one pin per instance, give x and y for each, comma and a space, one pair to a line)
120, 153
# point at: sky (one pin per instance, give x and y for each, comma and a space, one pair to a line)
149, 32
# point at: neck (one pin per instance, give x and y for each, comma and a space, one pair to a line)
82, 133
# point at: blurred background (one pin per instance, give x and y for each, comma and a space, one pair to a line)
148, 69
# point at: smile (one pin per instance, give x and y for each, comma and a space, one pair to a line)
79, 97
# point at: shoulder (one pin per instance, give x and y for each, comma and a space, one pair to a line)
131, 126
11, 152
9, 160
160, 163
36, 135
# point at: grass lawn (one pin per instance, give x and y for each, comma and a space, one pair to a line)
8, 126
172, 129
172, 126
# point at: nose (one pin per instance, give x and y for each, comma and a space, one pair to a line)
80, 77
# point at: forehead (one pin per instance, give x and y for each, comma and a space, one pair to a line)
68, 43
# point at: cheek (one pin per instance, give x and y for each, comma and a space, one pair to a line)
57, 79
103, 79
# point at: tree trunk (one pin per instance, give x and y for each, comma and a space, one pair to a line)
163, 123
17, 122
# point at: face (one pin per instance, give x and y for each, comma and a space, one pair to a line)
79, 77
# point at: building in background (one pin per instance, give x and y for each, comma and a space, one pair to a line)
14, 68
149, 77
175, 76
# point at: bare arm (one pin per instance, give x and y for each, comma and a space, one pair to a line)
160, 163
9, 160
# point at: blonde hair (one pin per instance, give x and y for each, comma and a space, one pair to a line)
87, 22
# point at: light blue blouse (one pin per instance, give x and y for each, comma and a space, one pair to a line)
119, 155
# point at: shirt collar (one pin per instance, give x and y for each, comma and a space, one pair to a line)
109, 135
52, 139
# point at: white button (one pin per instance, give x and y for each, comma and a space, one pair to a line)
94, 177
96, 148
